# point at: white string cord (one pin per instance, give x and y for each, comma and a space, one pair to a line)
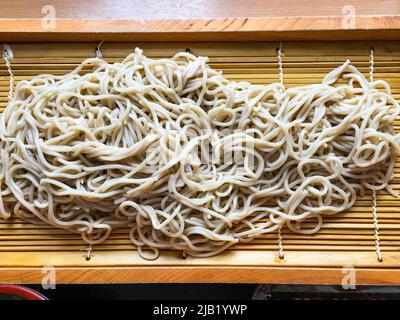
280, 65
374, 205
376, 227
8, 54
280, 244
371, 64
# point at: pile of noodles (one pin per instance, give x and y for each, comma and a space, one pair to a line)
186, 159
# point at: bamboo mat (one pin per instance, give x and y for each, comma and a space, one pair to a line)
345, 239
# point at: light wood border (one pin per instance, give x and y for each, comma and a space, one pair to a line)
231, 29
284, 275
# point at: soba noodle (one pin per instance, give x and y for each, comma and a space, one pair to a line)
186, 159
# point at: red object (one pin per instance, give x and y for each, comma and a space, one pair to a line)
21, 291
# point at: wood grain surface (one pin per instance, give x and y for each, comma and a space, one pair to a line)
199, 20
194, 9
328, 276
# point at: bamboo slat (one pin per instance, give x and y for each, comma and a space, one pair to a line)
345, 239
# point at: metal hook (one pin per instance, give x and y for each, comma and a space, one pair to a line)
89, 252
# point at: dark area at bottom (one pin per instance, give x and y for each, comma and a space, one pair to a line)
216, 292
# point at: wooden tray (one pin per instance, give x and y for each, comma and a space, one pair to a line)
346, 240
200, 20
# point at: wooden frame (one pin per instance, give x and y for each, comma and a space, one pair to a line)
245, 266
346, 241
317, 276
231, 29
